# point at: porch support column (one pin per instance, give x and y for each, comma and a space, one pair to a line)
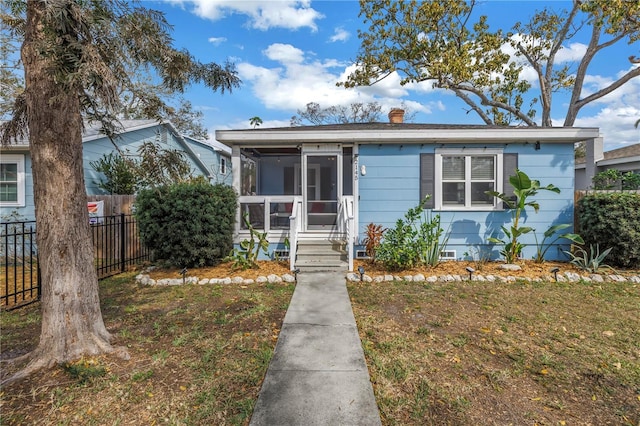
595, 153
236, 172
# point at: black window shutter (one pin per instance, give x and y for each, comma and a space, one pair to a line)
289, 180
427, 179
509, 166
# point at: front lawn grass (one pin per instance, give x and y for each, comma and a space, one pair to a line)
198, 356
471, 353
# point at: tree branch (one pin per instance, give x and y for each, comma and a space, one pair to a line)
459, 93
600, 93
490, 102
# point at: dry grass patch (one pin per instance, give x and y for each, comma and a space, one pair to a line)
198, 356
496, 354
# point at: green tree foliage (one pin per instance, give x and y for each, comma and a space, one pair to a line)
355, 113
187, 224
447, 44
615, 179
159, 166
152, 166
255, 121
612, 220
104, 41
11, 81
119, 172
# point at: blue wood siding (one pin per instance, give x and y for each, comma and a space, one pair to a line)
28, 211
391, 186
211, 159
128, 143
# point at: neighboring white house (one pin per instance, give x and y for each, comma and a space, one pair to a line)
626, 159
16, 181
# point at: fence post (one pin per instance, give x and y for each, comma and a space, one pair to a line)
123, 242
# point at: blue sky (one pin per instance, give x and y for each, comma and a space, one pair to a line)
290, 53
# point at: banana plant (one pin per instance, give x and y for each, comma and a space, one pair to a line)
524, 189
542, 247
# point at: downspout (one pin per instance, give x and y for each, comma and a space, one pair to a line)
594, 154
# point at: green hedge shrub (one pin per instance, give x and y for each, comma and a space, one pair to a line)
188, 224
613, 221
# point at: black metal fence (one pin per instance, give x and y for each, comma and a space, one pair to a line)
116, 243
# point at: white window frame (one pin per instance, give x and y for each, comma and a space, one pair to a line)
497, 153
19, 160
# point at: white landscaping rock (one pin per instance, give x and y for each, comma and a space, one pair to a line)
378, 279
510, 267
225, 281
288, 278
418, 277
237, 280
388, 277
262, 279
204, 281
272, 279
572, 276
353, 277
248, 281
597, 278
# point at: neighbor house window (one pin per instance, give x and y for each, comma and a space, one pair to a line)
223, 166
12, 186
458, 179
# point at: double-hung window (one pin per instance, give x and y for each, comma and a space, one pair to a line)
12, 185
458, 179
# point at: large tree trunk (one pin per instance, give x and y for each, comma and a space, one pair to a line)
72, 324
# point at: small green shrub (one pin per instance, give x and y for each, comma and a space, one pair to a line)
415, 240
188, 224
612, 220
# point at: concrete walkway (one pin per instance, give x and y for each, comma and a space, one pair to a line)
318, 374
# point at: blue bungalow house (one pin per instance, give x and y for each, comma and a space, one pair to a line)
16, 184
319, 186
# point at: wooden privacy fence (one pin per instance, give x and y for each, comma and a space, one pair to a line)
115, 204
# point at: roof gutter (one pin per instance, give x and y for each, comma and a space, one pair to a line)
532, 135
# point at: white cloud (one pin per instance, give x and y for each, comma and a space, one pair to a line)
284, 53
299, 79
616, 126
571, 53
216, 41
340, 34
262, 15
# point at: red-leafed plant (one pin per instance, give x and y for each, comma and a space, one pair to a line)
372, 240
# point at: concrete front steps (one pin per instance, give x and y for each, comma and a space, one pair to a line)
321, 255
